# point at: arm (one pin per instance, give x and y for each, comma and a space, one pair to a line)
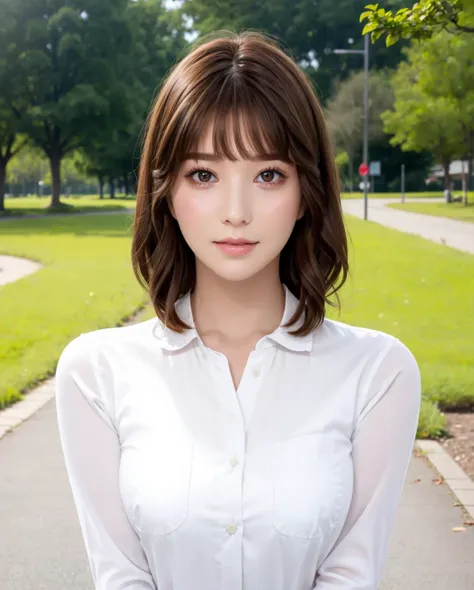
383, 440
91, 450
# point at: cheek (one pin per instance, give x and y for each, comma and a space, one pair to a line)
189, 208
282, 214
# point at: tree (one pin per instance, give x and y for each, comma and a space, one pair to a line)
63, 70
422, 21
432, 105
158, 38
344, 112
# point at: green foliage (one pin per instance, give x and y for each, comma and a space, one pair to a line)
158, 39
63, 63
81, 75
422, 21
434, 97
342, 160
344, 111
431, 423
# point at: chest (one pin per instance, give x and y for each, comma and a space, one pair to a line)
196, 457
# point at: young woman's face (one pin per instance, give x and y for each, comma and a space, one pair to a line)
219, 202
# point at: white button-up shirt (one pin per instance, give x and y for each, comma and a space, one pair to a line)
289, 483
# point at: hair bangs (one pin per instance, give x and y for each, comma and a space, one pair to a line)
242, 125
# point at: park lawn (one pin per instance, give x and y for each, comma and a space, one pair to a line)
452, 210
417, 290
73, 204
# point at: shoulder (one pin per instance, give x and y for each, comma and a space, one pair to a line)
89, 347
366, 346
341, 336
379, 366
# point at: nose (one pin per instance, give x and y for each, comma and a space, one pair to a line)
237, 208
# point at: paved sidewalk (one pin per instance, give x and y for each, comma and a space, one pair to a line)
453, 233
41, 546
14, 268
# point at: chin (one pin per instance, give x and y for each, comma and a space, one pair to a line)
234, 270
235, 275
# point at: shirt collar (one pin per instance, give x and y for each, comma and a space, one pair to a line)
170, 340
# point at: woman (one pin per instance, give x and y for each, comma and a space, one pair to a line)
240, 439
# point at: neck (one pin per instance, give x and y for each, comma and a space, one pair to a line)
237, 311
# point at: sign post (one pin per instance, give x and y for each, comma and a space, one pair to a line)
364, 171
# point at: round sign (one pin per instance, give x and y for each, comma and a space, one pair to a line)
363, 169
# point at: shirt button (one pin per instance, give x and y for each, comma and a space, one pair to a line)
231, 528
234, 461
256, 372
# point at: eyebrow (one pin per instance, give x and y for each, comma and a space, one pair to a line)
215, 158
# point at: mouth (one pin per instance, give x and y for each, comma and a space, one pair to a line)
235, 247
236, 241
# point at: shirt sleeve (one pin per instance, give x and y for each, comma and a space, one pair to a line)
383, 440
91, 450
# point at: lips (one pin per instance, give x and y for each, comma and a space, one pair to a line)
236, 242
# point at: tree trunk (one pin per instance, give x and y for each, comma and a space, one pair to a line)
101, 186
3, 174
447, 181
55, 163
111, 188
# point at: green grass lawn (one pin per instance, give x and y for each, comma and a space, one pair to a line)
73, 204
417, 290
451, 210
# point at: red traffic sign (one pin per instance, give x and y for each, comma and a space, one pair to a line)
363, 169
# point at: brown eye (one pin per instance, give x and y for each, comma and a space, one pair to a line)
268, 175
204, 176
200, 176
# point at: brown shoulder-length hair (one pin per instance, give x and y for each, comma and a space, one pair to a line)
238, 77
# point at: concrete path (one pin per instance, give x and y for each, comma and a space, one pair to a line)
41, 546
14, 268
453, 233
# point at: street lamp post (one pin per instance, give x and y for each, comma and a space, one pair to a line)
365, 53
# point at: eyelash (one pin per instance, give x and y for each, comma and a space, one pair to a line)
272, 169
